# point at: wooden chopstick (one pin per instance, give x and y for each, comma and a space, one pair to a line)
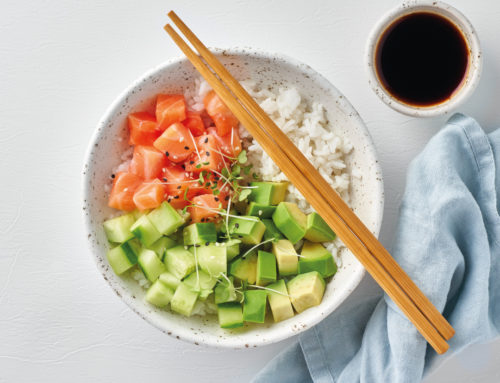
317, 201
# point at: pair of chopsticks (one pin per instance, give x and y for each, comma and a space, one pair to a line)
355, 235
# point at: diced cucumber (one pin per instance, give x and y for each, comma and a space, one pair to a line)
161, 245
248, 229
225, 291
150, 264
212, 259
259, 210
254, 307
202, 283
230, 315
199, 233
118, 229
145, 231
232, 248
169, 280
159, 294
166, 219
121, 258
179, 261
184, 300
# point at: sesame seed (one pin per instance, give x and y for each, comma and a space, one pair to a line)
207, 243
176, 197
208, 154
181, 139
216, 199
183, 166
167, 154
191, 162
112, 176
260, 212
178, 187
226, 198
206, 140
175, 157
186, 147
164, 179
125, 189
236, 225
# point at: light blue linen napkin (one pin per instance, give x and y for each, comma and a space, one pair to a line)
448, 241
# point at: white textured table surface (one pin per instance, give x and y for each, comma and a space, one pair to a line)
61, 64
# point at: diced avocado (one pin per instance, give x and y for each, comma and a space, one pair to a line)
286, 257
166, 219
169, 280
118, 229
261, 211
159, 294
145, 231
230, 315
212, 258
317, 230
272, 231
279, 301
179, 261
184, 300
150, 264
314, 257
201, 283
232, 248
199, 233
254, 307
268, 193
121, 258
245, 269
161, 245
291, 221
248, 229
224, 291
266, 268
306, 290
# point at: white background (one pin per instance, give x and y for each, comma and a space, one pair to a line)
61, 64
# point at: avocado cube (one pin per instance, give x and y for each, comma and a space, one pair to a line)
306, 290
159, 294
198, 233
272, 231
179, 261
262, 211
150, 264
291, 221
268, 193
169, 280
254, 307
184, 300
202, 283
225, 291
145, 231
279, 301
245, 269
230, 315
232, 248
212, 258
122, 258
266, 268
166, 219
286, 257
161, 245
317, 230
118, 229
315, 257
248, 229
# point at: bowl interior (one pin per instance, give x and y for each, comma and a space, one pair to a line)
270, 71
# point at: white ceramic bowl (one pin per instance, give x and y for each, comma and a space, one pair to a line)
269, 70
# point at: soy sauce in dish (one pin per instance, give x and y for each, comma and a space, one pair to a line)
422, 59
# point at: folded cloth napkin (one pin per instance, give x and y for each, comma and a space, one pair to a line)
448, 241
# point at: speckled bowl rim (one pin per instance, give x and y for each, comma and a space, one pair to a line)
465, 89
357, 276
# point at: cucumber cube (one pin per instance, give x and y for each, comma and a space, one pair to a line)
230, 315
159, 294
266, 268
317, 230
232, 248
145, 231
118, 229
121, 258
254, 307
272, 231
224, 291
150, 264
315, 257
199, 233
306, 290
286, 256
212, 258
166, 219
291, 221
183, 300
279, 301
161, 245
202, 283
179, 261
248, 229
261, 211
169, 280
245, 269
268, 193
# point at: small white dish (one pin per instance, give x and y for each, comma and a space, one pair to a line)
472, 76
269, 70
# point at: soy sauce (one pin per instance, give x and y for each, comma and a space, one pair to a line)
422, 58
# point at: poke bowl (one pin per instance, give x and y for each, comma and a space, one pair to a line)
302, 102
